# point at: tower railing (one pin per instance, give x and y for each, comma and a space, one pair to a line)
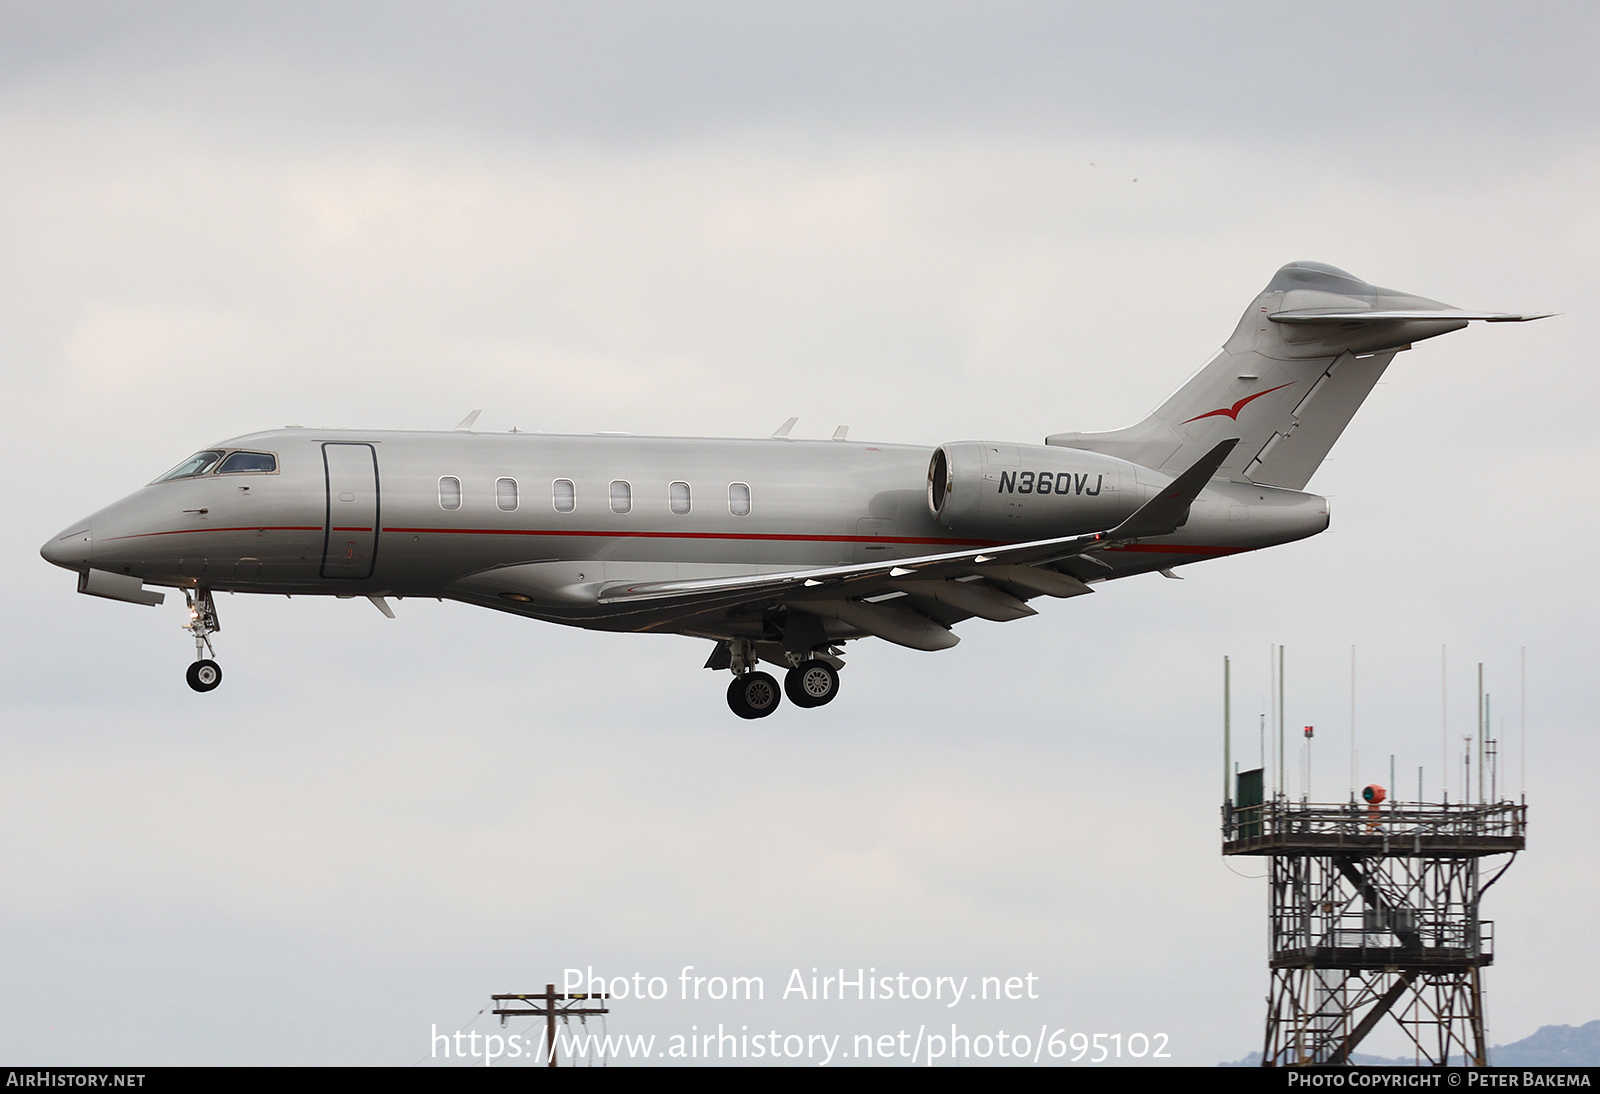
1283, 824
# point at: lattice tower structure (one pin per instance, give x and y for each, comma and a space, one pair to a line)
1373, 914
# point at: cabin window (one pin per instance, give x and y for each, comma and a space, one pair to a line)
449, 493
259, 462
678, 497
739, 499
621, 496
197, 464
564, 496
505, 494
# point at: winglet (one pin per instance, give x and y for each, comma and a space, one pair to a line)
1167, 511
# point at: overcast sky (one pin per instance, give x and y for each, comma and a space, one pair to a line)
928, 221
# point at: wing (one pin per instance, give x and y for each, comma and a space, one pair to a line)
845, 592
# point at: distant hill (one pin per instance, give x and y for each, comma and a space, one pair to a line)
1549, 1046
1552, 1046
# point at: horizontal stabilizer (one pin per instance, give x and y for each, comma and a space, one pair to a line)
1396, 316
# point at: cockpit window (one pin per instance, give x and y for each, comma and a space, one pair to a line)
197, 464
248, 461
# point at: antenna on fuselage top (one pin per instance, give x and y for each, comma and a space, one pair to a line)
783, 430
466, 423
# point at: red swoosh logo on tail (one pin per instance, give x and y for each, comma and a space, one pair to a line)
1233, 411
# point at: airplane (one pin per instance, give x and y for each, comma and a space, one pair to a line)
776, 550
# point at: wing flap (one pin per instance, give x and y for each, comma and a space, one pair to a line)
972, 597
901, 626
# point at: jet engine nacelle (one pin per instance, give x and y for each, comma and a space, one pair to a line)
1016, 492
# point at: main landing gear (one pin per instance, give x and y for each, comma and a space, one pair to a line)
205, 674
755, 694
811, 684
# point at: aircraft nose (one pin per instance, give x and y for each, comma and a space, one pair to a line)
70, 550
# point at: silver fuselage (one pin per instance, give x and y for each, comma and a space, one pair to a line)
351, 512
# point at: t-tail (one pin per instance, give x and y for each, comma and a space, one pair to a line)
1297, 368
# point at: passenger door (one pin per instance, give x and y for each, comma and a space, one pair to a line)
350, 531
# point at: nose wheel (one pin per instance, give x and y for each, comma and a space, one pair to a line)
205, 674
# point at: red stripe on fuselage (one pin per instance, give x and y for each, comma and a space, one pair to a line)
250, 528
747, 536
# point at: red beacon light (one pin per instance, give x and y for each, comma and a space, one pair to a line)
1373, 794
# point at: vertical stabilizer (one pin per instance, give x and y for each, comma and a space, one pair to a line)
1300, 363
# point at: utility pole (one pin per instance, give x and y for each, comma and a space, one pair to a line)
1282, 769
1227, 730
549, 1011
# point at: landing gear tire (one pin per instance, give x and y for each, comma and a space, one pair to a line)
811, 684
754, 695
204, 675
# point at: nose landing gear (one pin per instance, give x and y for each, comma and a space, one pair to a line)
205, 674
